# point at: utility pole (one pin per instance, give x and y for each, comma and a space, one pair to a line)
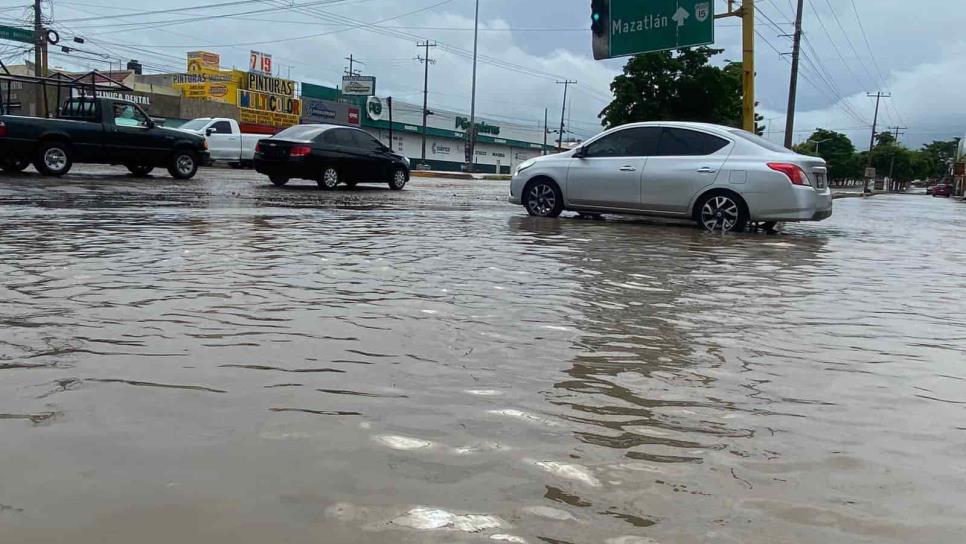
793, 83
476, 42
39, 55
352, 62
563, 109
426, 62
875, 122
546, 118
892, 163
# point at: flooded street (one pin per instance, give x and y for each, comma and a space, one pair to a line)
223, 361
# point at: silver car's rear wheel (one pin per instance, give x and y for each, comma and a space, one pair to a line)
542, 198
721, 213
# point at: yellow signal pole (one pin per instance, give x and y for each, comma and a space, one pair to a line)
747, 14
748, 63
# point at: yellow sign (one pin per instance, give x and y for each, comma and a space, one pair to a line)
269, 102
270, 85
216, 86
203, 61
267, 118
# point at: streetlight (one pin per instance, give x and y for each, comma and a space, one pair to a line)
821, 142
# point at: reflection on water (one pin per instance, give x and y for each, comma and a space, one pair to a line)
224, 374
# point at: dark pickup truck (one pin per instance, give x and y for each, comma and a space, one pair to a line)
101, 131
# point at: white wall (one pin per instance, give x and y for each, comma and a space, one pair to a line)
452, 149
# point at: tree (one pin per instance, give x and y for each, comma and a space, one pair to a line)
937, 156
885, 139
683, 87
837, 150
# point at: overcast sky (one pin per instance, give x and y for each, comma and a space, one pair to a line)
916, 51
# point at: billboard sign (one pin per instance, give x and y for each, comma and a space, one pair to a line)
260, 63
359, 85
200, 62
316, 110
374, 108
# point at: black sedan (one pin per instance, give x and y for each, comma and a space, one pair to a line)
329, 155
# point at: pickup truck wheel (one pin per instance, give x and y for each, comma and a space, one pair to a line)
184, 165
329, 179
278, 181
13, 165
53, 159
139, 171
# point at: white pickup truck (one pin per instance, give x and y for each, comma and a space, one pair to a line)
226, 143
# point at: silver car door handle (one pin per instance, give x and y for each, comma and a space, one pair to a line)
628, 169
706, 170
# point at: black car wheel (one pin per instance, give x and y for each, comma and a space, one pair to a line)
543, 198
278, 181
53, 159
140, 171
184, 164
13, 165
398, 180
721, 212
329, 179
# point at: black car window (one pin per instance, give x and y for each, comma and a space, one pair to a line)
680, 142
340, 136
367, 141
79, 109
300, 133
221, 127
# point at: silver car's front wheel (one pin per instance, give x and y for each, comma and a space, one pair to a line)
721, 213
543, 199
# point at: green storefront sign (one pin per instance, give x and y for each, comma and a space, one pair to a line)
16, 34
462, 123
641, 27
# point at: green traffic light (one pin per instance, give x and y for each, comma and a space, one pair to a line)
596, 17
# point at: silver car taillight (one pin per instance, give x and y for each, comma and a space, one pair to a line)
793, 172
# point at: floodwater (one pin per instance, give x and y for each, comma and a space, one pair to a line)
222, 361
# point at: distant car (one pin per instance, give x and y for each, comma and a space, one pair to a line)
226, 142
943, 189
723, 178
330, 155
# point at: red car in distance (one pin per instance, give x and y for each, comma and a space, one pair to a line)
943, 189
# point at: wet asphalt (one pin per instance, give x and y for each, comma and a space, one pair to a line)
223, 361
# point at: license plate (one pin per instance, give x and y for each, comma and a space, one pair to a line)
820, 181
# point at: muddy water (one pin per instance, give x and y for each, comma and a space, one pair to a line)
235, 364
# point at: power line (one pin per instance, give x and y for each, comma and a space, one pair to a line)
868, 44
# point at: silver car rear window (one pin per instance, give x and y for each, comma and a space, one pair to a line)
758, 140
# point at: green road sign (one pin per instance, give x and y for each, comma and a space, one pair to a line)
629, 27
16, 34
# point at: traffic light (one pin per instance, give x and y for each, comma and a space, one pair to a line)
600, 24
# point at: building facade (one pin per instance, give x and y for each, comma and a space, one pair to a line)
501, 146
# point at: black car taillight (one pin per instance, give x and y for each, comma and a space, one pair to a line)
300, 151
258, 147
3, 129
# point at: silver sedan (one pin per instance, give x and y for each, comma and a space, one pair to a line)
723, 178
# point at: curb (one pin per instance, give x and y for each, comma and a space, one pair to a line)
459, 175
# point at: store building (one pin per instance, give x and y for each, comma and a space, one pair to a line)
500, 147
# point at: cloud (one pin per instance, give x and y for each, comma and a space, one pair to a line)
925, 98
